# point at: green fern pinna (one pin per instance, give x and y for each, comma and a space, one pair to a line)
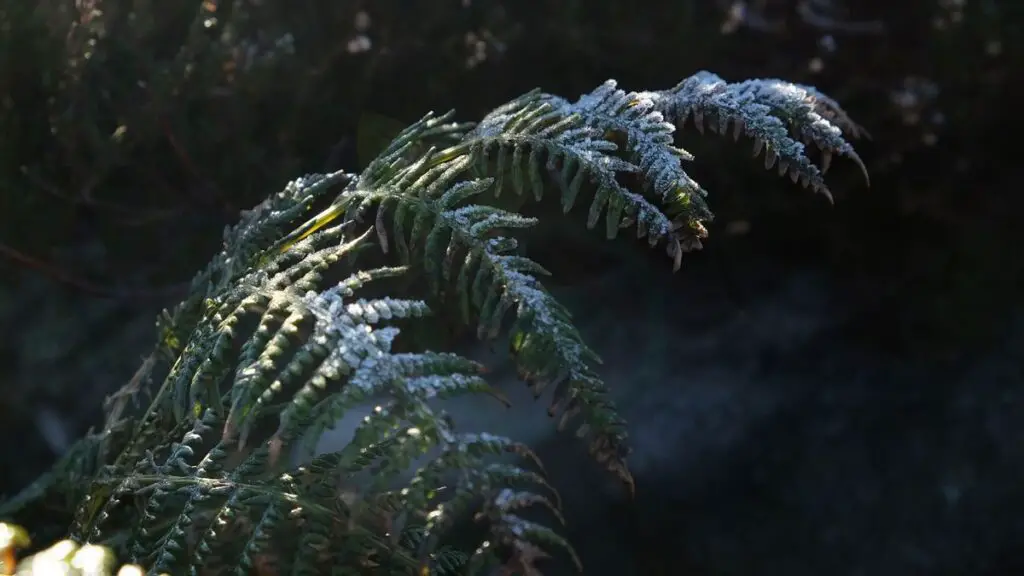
298, 319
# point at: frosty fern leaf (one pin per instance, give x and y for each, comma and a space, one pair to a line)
298, 320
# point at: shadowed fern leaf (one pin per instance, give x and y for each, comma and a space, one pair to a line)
296, 322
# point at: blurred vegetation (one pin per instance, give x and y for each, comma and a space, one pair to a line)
126, 119
65, 558
133, 131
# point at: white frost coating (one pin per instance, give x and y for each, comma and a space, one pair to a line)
772, 112
471, 413
703, 392
648, 134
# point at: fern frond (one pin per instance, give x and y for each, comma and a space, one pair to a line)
276, 334
540, 141
463, 251
779, 116
299, 320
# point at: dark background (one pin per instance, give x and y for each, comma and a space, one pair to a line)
893, 443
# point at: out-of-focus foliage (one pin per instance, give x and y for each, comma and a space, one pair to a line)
157, 121
65, 558
148, 118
